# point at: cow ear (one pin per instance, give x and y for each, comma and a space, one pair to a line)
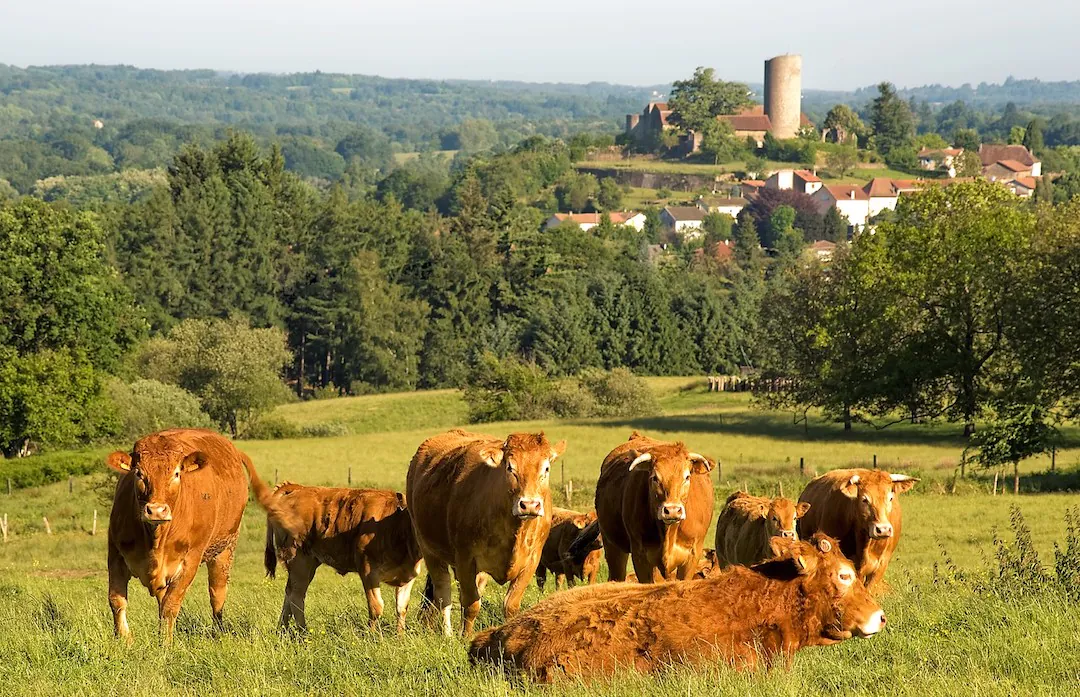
801, 509
557, 450
400, 501
699, 464
493, 457
851, 487
119, 461
194, 461
902, 482
640, 459
824, 545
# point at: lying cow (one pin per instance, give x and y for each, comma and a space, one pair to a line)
177, 505
860, 509
566, 525
748, 523
808, 596
365, 531
481, 505
654, 502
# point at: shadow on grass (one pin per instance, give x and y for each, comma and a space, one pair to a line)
1045, 482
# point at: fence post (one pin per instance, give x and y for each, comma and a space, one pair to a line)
93, 527
350, 475
1053, 458
802, 467
276, 479
48, 528
995, 482
74, 524
3, 527
9, 486
71, 484
875, 460
719, 471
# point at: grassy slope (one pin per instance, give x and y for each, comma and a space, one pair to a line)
55, 626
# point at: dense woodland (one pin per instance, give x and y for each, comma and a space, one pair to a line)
226, 276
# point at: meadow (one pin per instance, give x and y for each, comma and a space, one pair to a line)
944, 636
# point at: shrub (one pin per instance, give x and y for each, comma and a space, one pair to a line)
619, 393
506, 389
39, 470
567, 400
147, 406
270, 428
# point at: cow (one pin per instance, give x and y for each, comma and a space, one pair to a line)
178, 504
708, 566
748, 523
566, 525
860, 509
654, 502
365, 531
481, 505
809, 595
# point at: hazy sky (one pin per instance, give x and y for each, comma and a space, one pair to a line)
844, 44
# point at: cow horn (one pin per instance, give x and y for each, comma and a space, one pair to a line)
855, 479
644, 457
901, 478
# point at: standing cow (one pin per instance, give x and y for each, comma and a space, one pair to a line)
808, 596
566, 525
481, 505
748, 523
654, 502
860, 509
366, 531
177, 505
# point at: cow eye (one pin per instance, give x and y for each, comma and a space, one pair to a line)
547, 469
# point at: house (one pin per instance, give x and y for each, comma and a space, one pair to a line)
1006, 170
727, 206
822, 249
801, 180
747, 188
652, 121
685, 220
587, 221
1023, 186
851, 201
991, 155
943, 158
754, 122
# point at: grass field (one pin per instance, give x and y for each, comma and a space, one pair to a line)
942, 639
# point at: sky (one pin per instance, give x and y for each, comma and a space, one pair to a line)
844, 44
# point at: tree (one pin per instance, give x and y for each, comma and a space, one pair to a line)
1020, 431
891, 120
842, 160
808, 219
576, 191
234, 370
610, 194
756, 166
967, 139
697, 101
1033, 137
1016, 135
718, 229
836, 225
968, 164
748, 252
719, 141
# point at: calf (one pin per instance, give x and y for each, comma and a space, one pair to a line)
481, 505
366, 531
748, 523
654, 502
177, 505
556, 557
808, 596
859, 508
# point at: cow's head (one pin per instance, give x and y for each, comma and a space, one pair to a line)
157, 473
874, 492
828, 574
670, 466
526, 459
780, 516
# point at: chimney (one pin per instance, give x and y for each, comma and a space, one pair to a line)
851, 194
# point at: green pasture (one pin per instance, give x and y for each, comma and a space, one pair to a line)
941, 639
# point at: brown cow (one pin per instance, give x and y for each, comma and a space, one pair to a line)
566, 525
177, 505
481, 505
859, 508
366, 531
748, 523
654, 501
808, 596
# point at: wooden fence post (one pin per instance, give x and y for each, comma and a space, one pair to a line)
3, 527
802, 467
9, 486
93, 527
350, 475
48, 528
995, 482
1053, 458
875, 460
71, 484
276, 479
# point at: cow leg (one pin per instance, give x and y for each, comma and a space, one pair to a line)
512, 602
560, 581
301, 571
469, 590
373, 591
541, 578
217, 571
616, 561
401, 603
439, 576
170, 600
645, 570
119, 575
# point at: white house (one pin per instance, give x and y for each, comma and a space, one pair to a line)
587, 221
945, 158
685, 220
727, 205
801, 180
851, 201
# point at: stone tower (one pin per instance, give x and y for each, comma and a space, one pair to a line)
783, 94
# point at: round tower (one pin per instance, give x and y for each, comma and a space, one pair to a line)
783, 94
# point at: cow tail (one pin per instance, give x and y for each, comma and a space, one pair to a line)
584, 542
263, 494
270, 554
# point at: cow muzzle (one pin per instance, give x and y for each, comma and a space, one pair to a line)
157, 513
872, 626
671, 513
789, 535
880, 531
529, 508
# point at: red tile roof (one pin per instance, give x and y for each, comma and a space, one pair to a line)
1026, 182
747, 122
927, 152
752, 182
806, 175
846, 192
1014, 165
989, 154
617, 217
823, 246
